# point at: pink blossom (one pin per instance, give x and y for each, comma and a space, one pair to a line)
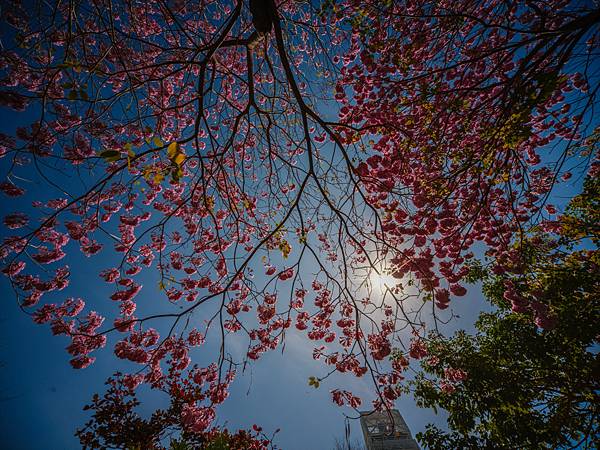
195, 338
10, 189
458, 290
197, 419
14, 268
81, 362
455, 375
133, 381
286, 274
109, 275
16, 220
447, 388
46, 256
417, 349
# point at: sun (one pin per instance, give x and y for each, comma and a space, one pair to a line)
382, 281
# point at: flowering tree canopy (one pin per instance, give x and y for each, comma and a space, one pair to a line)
237, 170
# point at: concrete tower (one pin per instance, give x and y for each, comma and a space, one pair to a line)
383, 432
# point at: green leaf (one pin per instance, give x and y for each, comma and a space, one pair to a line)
176, 174
110, 155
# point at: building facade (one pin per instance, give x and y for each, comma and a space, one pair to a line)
386, 431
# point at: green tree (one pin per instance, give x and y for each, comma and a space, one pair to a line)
529, 377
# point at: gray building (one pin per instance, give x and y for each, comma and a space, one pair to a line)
386, 431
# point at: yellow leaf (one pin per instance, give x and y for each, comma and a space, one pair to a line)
285, 248
157, 142
147, 172
172, 150
210, 202
158, 177
129, 149
179, 159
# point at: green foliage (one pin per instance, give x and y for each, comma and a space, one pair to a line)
476, 272
583, 214
179, 445
220, 442
313, 381
110, 155
526, 386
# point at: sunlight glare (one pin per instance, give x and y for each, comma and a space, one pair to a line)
379, 281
